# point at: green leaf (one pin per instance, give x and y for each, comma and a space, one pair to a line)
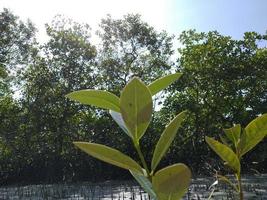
109, 155
163, 82
225, 153
255, 132
166, 139
136, 107
233, 134
118, 119
99, 98
172, 182
145, 184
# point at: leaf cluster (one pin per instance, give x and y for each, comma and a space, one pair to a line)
236, 143
133, 112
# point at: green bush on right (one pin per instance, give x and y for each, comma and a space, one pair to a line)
235, 145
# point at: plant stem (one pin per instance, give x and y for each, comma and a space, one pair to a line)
137, 146
241, 196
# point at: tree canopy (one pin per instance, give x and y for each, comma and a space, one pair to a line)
224, 82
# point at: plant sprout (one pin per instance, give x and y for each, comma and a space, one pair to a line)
133, 113
235, 145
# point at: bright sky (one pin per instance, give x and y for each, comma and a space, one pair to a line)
229, 17
154, 12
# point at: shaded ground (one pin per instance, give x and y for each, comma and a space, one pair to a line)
255, 187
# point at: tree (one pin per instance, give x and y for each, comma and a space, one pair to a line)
131, 47
222, 84
16, 41
65, 63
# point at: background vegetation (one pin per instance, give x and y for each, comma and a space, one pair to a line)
224, 82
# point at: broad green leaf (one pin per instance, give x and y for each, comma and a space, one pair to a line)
166, 139
99, 98
136, 107
225, 153
233, 134
172, 182
109, 155
255, 132
242, 143
145, 184
163, 82
118, 119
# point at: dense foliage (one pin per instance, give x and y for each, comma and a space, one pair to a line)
224, 82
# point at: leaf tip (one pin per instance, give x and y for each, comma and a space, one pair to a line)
186, 113
69, 95
77, 144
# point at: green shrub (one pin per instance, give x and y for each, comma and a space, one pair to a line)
236, 144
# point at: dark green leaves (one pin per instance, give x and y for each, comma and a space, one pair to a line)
166, 139
225, 153
172, 182
136, 107
163, 82
110, 155
99, 98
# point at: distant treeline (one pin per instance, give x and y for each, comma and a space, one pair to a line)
224, 82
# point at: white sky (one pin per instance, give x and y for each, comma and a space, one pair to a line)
155, 12
229, 17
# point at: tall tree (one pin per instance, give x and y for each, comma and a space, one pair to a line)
131, 47
65, 64
16, 40
224, 82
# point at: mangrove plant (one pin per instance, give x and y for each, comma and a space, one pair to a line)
133, 113
235, 145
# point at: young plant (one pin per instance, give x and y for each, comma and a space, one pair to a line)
132, 112
236, 144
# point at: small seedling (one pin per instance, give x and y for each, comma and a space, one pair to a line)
235, 145
133, 112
